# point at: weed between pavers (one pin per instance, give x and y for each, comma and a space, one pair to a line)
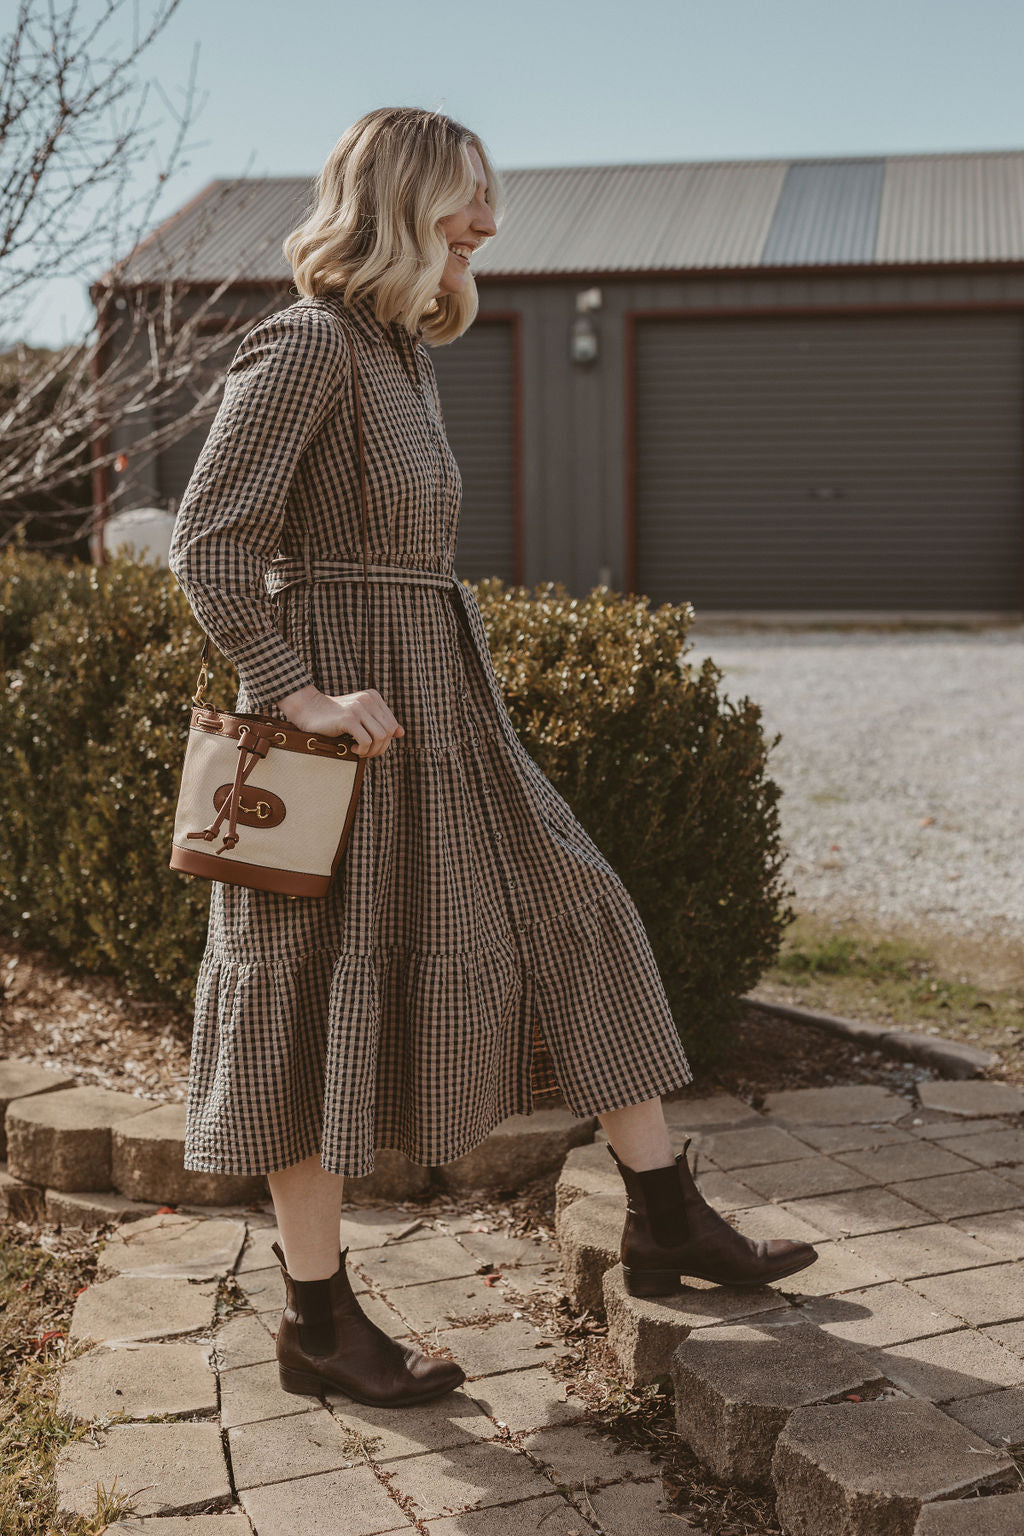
230, 1299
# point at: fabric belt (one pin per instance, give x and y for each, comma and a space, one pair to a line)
286, 572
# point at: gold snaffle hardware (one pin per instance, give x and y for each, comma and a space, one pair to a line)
260, 809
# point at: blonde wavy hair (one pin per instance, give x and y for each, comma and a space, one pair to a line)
375, 224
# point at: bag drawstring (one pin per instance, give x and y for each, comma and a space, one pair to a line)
252, 745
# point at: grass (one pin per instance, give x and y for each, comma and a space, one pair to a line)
959, 988
38, 1286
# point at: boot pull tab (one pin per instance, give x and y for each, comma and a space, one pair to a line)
276, 1248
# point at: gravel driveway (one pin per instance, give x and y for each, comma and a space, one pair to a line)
901, 764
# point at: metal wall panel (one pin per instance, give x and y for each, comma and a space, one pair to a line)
476, 380
844, 462
177, 460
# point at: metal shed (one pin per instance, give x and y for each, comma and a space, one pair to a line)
765, 386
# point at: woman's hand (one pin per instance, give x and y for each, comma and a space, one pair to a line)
363, 715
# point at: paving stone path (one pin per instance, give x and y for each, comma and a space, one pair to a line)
878, 1391
508, 1452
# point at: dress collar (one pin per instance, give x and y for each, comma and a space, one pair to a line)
362, 313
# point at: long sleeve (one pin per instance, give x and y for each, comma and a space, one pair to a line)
282, 384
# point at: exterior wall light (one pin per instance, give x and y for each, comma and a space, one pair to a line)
583, 348
584, 343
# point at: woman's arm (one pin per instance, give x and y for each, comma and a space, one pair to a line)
280, 388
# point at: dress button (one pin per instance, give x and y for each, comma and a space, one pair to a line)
511, 884
498, 837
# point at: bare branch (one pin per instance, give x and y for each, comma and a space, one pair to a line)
78, 197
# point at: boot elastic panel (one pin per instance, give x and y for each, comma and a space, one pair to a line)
666, 1208
315, 1316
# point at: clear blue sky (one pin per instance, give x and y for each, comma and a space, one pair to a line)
570, 82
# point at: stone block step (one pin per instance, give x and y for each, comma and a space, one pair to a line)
521, 1148
587, 1170
394, 1177
62, 1140
20, 1201
869, 1469
147, 1163
645, 1331
588, 1233
20, 1080
737, 1384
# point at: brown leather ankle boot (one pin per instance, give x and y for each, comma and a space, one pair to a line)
326, 1341
670, 1230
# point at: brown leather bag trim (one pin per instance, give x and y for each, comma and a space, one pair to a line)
258, 876
286, 737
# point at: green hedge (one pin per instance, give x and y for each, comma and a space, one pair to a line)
669, 777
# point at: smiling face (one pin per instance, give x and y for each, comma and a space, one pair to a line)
465, 231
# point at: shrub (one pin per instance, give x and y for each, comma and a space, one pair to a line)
98, 709
30, 584
669, 777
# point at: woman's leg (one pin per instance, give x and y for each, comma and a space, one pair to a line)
639, 1134
307, 1201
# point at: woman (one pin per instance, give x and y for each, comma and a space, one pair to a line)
476, 948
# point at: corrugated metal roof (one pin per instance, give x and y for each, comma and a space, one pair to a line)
634, 217
680, 216
827, 213
229, 229
957, 207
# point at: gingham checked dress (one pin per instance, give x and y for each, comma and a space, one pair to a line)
475, 949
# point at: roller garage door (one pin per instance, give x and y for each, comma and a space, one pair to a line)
835, 462
476, 381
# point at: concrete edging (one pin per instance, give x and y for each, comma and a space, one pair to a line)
950, 1058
